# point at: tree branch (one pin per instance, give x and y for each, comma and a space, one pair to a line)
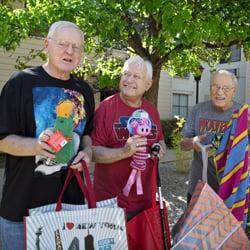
134, 39
153, 27
224, 45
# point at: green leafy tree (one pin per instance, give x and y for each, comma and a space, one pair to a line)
175, 35
108, 72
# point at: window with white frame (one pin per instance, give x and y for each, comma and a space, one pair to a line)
180, 105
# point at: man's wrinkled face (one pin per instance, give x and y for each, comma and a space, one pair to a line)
64, 50
222, 91
134, 82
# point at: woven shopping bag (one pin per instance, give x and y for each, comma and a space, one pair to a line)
77, 227
208, 224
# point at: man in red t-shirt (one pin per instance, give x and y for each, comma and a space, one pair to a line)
123, 168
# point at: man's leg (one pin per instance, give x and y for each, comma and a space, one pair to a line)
11, 235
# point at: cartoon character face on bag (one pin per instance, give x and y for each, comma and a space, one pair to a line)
139, 123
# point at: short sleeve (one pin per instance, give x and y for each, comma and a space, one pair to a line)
160, 131
10, 108
89, 96
189, 127
99, 134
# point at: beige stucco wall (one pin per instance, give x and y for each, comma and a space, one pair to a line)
17, 4
165, 96
8, 58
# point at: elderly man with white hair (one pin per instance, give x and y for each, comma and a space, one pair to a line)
30, 103
207, 123
126, 126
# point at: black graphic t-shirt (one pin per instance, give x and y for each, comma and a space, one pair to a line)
28, 105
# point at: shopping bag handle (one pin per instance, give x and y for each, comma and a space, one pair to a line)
204, 154
90, 195
86, 189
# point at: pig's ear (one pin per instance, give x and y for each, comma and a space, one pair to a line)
149, 123
133, 123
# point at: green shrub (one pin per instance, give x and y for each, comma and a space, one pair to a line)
182, 157
168, 126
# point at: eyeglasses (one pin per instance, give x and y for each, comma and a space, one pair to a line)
127, 75
225, 89
65, 45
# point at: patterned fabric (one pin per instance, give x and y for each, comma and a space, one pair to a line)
231, 161
208, 224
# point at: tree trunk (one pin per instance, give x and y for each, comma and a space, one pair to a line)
152, 93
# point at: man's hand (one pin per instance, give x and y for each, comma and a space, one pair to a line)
42, 147
190, 143
133, 144
162, 150
85, 155
198, 145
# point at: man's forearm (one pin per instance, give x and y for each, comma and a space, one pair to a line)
18, 145
187, 144
87, 145
108, 155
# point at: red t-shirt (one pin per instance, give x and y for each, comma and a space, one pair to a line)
110, 130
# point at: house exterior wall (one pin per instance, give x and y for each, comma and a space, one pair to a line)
164, 96
17, 4
168, 86
188, 86
8, 58
247, 92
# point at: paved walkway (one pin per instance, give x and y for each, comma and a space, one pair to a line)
169, 157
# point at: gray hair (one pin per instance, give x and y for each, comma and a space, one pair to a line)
138, 61
224, 72
63, 24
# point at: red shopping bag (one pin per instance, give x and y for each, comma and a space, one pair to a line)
145, 230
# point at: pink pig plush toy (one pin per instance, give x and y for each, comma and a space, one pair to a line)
138, 124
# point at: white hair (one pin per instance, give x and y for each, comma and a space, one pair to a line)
63, 24
224, 72
138, 61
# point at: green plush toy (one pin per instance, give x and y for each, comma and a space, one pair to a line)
64, 124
